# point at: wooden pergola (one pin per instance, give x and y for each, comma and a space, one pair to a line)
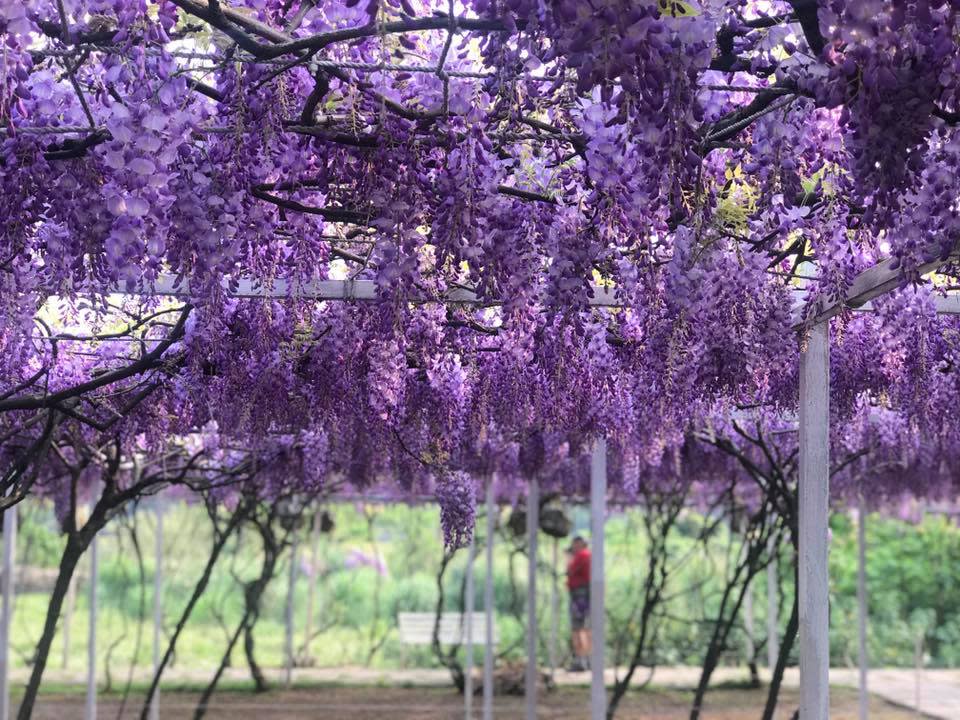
814, 492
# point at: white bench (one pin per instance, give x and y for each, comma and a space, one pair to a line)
417, 628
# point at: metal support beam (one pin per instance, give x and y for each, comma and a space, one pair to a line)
9, 579
814, 494
533, 522
288, 651
598, 617
554, 608
352, 290
90, 708
773, 608
157, 608
488, 610
862, 605
470, 602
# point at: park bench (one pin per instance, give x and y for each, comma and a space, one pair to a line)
417, 628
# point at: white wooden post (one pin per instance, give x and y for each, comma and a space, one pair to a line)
748, 618
814, 507
862, 604
70, 604
598, 618
773, 621
157, 608
533, 522
918, 677
312, 588
554, 609
288, 615
9, 570
468, 665
488, 609
90, 709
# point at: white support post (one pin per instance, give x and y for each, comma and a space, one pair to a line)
470, 602
533, 523
288, 615
773, 621
488, 610
862, 604
598, 618
157, 608
9, 578
918, 676
69, 605
312, 587
748, 625
554, 608
814, 508
90, 709
748, 617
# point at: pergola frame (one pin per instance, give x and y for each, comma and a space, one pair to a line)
814, 486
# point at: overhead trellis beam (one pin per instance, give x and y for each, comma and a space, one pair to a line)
873, 282
348, 290
870, 284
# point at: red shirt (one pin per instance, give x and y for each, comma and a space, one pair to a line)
578, 569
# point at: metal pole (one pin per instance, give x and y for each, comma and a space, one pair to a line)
488, 609
70, 603
748, 618
288, 616
468, 665
554, 609
157, 608
773, 621
598, 516
9, 579
862, 604
814, 508
90, 709
918, 678
533, 522
312, 588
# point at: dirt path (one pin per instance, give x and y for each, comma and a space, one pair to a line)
354, 703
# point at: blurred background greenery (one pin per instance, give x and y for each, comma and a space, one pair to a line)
380, 560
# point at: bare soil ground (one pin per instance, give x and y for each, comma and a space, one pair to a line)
374, 703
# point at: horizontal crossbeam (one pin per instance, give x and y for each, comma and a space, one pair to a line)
349, 290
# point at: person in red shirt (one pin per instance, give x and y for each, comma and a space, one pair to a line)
578, 585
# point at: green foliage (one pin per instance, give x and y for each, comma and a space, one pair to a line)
911, 576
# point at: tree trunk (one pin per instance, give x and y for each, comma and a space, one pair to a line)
198, 591
786, 646
76, 545
224, 662
723, 626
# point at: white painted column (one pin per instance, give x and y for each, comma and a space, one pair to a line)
157, 608
67, 621
288, 615
748, 624
488, 610
918, 676
598, 616
9, 578
468, 611
312, 588
90, 709
748, 618
862, 605
814, 493
773, 621
554, 609
533, 522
